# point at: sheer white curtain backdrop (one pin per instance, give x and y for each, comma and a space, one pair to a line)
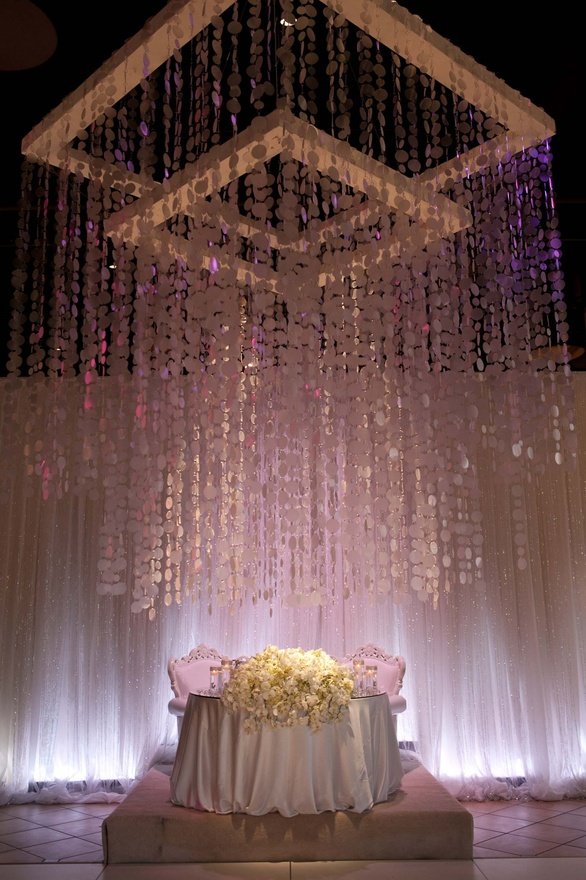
495, 680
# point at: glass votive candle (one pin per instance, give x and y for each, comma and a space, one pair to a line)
358, 674
370, 673
226, 671
215, 672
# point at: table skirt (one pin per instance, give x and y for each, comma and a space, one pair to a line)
348, 765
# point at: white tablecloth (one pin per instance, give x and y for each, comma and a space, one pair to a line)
348, 765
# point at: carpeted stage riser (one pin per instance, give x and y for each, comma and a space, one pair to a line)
421, 821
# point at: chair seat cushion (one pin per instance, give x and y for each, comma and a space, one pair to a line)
177, 706
398, 703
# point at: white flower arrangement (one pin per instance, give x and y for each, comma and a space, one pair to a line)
281, 687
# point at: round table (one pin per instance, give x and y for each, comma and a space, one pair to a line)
347, 765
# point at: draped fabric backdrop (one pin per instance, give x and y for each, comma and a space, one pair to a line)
288, 364
495, 678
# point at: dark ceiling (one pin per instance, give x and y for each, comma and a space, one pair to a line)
540, 54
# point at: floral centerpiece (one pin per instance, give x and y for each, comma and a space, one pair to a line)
281, 687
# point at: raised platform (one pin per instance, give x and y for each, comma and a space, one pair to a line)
421, 821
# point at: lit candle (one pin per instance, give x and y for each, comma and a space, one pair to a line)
226, 671
371, 678
358, 674
214, 677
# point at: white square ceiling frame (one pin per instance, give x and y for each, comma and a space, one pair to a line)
525, 126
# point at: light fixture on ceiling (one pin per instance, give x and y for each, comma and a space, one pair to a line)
27, 35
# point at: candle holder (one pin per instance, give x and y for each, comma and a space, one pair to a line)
370, 677
358, 676
215, 673
226, 671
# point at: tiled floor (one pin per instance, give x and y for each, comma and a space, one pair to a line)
512, 842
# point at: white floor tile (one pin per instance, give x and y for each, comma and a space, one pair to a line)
19, 857
386, 870
94, 838
94, 856
568, 820
62, 849
490, 822
44, 814
522, 811
481, 852
80, 827
485, 869
101, 810
481, 834
24, 839
50, 872
217, 871
11, 826
533, 869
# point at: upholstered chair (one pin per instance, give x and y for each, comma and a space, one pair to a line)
390, 674
189, 674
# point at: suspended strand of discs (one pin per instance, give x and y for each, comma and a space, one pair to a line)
275, 310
